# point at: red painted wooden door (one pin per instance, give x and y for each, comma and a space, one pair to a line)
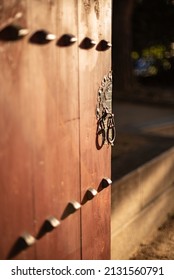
94, 22
48, 153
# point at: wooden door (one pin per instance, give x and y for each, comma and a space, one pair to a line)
94, 64
48, 154
16, 185
54, 83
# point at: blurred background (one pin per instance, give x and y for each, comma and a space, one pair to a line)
143, 86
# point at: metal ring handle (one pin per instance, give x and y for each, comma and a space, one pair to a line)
100, 131
113, 135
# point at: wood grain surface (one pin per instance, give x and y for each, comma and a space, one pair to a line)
16, 185
48, 152
95, 23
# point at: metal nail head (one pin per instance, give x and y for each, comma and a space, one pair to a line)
53, 221
106, 182
76, 205
91, 193
28, 238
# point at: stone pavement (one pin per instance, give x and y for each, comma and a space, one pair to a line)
143, 132
138, 117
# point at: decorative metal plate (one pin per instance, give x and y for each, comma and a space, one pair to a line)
105, 119
104, 97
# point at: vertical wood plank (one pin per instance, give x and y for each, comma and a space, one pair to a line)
95, 23
39, 123
16, 186
54, 87
12, 12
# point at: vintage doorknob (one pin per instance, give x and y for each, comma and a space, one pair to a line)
53, 222
91, 193
106, 182
13, 32
28, 239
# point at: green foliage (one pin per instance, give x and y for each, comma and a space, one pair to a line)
157, 52
150, 61
153, 34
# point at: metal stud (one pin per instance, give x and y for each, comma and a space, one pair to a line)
23, 32
93, 42
108, 44
66, 40
106, 182
91, 193
53, 222
87, 43
28, 238
42, 37
103, 45
73, 39
76, 205
50, 37
13, 32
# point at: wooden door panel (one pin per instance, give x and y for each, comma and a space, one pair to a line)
48, 153
16, 184
95, 23
12, 11
54, 86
